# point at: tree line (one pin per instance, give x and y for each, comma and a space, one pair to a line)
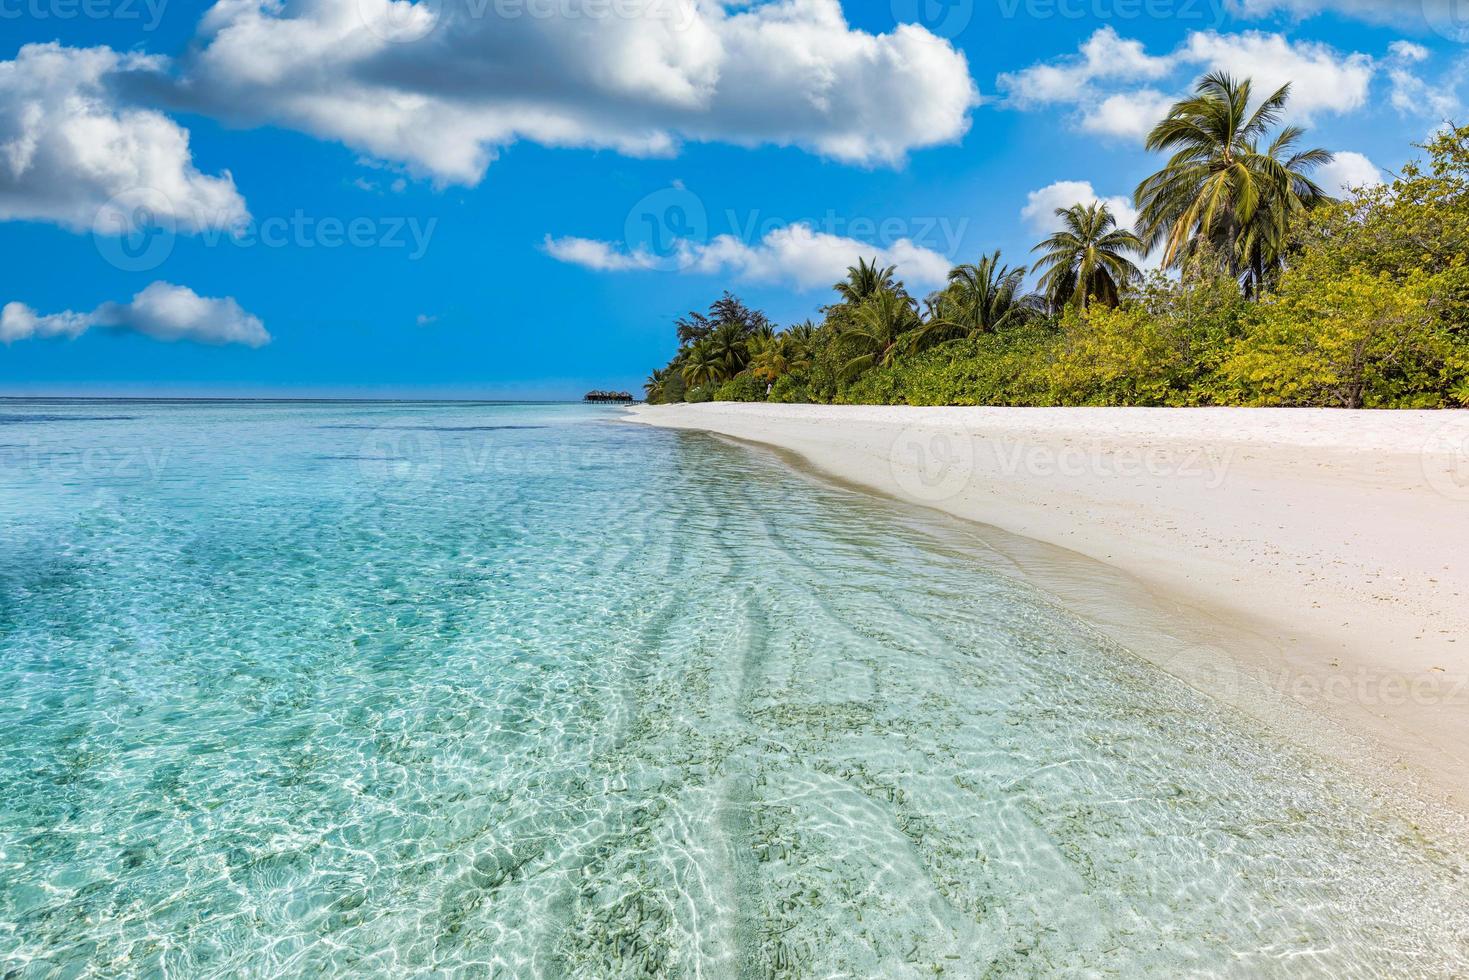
1270, 292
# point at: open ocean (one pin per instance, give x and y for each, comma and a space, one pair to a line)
453, 689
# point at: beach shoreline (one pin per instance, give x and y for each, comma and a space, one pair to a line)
1305, 565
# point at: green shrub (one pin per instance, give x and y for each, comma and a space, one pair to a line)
741, 388
790, 388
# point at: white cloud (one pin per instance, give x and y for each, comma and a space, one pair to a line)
1411, 95
162, 311
593, 254
20, 322
1323, 80
1040, 206
1105, 56
1349, 170
68, 146
1130, 114
789, 73
1406, 13
797, 255
1408, 51
424, 320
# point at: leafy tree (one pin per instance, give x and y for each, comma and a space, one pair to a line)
778, 355
1353, 341
703, 365
878, 326
980, 298
725, 311
1087, 259
865, 280
654, 387
1219, 187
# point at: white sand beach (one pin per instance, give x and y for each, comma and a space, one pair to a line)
1281, 558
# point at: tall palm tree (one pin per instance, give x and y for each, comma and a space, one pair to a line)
1219, 187
654, 386
981, 297
877, 328
863, 280
1087, 259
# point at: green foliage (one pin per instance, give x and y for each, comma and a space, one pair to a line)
1276, 296
1354, 340
791, 388
741, 388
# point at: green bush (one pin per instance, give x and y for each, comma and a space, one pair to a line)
741, 388
789, 389
699, 393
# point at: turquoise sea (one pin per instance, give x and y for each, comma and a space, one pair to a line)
414, 689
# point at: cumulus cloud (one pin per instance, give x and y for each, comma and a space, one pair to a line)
1104, 56
1130, 114
69, 146
1096, 80
162, 311
1348, 171
1321, 80
20, 322
442, 87
1040, 206
797, 255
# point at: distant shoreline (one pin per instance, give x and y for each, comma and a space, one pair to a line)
1277, 558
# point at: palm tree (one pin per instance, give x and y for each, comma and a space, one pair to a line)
653, 387
703, 364
1220, 188
876, 329
778, 355
729, 343
1086, 260
864, 280
982, 297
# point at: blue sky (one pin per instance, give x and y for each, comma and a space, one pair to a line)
463, 198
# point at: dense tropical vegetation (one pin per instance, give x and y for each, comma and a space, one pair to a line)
1270, 292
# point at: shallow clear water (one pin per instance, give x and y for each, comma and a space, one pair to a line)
305, 689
